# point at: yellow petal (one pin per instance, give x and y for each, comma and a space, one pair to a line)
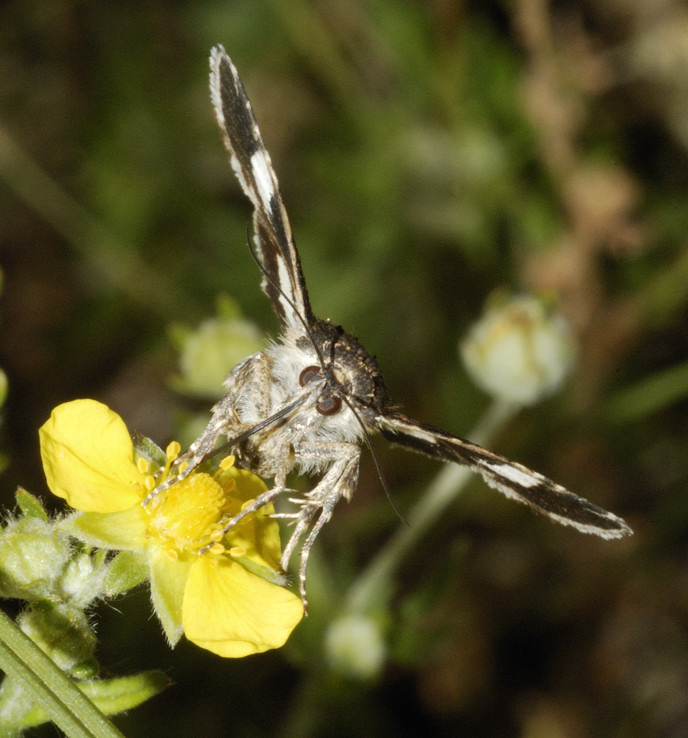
234, 613
168, 579
258, 533
88, 458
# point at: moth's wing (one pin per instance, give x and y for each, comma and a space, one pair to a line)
282, 279
512, 479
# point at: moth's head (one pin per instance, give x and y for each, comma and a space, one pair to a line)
347, 374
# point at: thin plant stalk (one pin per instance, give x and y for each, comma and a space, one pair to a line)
373, 584
49, 686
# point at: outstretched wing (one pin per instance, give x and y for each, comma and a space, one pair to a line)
512, 479
282, 279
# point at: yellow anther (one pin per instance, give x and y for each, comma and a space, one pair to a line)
172, 450
227, 463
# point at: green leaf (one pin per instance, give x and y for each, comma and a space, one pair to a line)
123, 693
111, 696
127, 570
30, 505
149, 450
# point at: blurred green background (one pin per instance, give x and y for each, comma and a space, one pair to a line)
428, 153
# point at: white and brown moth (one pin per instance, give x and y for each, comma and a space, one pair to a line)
309, 400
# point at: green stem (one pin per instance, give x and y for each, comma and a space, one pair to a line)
373, 585
53, 691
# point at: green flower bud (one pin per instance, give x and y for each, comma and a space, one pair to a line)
520, 351
211, 350
32, 558
63, 633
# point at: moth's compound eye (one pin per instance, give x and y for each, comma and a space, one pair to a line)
309, 374
330, 405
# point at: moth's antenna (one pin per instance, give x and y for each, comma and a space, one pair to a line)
376, 461
267, 276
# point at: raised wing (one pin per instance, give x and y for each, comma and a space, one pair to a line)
511, 479
282, 279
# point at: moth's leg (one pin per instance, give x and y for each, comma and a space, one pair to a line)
247, 388
339, 482
266, 498
263, 499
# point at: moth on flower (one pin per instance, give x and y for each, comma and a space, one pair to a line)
314, 396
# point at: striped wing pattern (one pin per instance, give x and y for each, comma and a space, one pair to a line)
510, 478
282, 276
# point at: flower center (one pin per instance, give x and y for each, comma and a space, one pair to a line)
189, 516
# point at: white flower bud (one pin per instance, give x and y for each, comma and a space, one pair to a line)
82, 580
355, 647
520, 351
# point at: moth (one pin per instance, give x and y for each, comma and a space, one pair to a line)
309, 401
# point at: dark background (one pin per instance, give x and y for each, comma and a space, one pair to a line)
428, 152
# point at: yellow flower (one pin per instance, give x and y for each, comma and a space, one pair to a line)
226, 598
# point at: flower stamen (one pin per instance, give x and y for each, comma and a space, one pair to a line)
227, 462
189, 516
172, 450
171, 455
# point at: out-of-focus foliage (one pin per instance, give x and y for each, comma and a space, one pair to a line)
428, 152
